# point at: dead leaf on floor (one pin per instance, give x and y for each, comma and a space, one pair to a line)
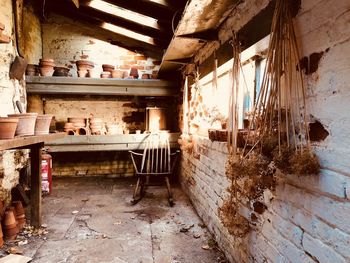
205, 247
75, 212
196, 235
22, 242
117, 223
185, 228
15, 250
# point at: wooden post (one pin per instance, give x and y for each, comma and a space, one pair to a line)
35, 191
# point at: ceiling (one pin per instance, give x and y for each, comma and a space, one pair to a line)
144, 26
169, 30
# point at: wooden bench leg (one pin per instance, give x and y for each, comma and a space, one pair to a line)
170, 195
35, 188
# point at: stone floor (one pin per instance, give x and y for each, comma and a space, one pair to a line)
92, 220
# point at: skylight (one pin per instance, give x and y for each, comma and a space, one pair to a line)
128, 33
124, 13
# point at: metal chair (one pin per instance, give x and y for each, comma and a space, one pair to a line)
156, 160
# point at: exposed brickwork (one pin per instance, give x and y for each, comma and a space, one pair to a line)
307, 217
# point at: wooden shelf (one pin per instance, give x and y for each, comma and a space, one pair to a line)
91, 143
95, 86
22, 142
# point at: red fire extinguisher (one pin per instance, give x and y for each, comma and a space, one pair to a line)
46, 173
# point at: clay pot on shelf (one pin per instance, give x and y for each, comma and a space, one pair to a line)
46, 67
42, 124
8, 127
10, 225
82, 73
31, 70
105, 75
145, 76
26, 123
85, 64
46, 71
20, 214
134, 73
118, 74
61, 72
82, 131
107, 67
69, 132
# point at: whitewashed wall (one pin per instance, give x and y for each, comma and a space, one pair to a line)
307, 218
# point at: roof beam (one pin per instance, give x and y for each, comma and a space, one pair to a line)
146, 8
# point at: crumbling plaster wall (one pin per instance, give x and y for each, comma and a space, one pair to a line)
11, 90
307, 217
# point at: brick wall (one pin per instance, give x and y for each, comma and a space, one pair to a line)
67, 41
307, 218
11, 90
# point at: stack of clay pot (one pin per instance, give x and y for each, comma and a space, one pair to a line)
46, 67
107, 71
10, 224
8, 127
42, 124
84, 66
69, 128
78, 125
26, 123
20, 214
96, 126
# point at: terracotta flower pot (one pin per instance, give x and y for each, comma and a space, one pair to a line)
107, 67
69, 132
61, 72
105, 75
46, 71
119, 74
46, 63
26, 123
134, 73
10, 225
82, 73
18, 207
31, 70
8, 127
42, 124
84, 64
82, 131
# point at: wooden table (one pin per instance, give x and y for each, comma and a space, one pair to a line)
35, 145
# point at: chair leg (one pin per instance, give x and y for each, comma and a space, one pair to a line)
170, 195
143, 187
134, 199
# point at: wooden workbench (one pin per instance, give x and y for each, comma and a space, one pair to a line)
35, 145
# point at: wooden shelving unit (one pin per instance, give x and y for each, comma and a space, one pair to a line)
95, 86
91, 143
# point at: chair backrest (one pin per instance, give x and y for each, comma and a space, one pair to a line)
156, 155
